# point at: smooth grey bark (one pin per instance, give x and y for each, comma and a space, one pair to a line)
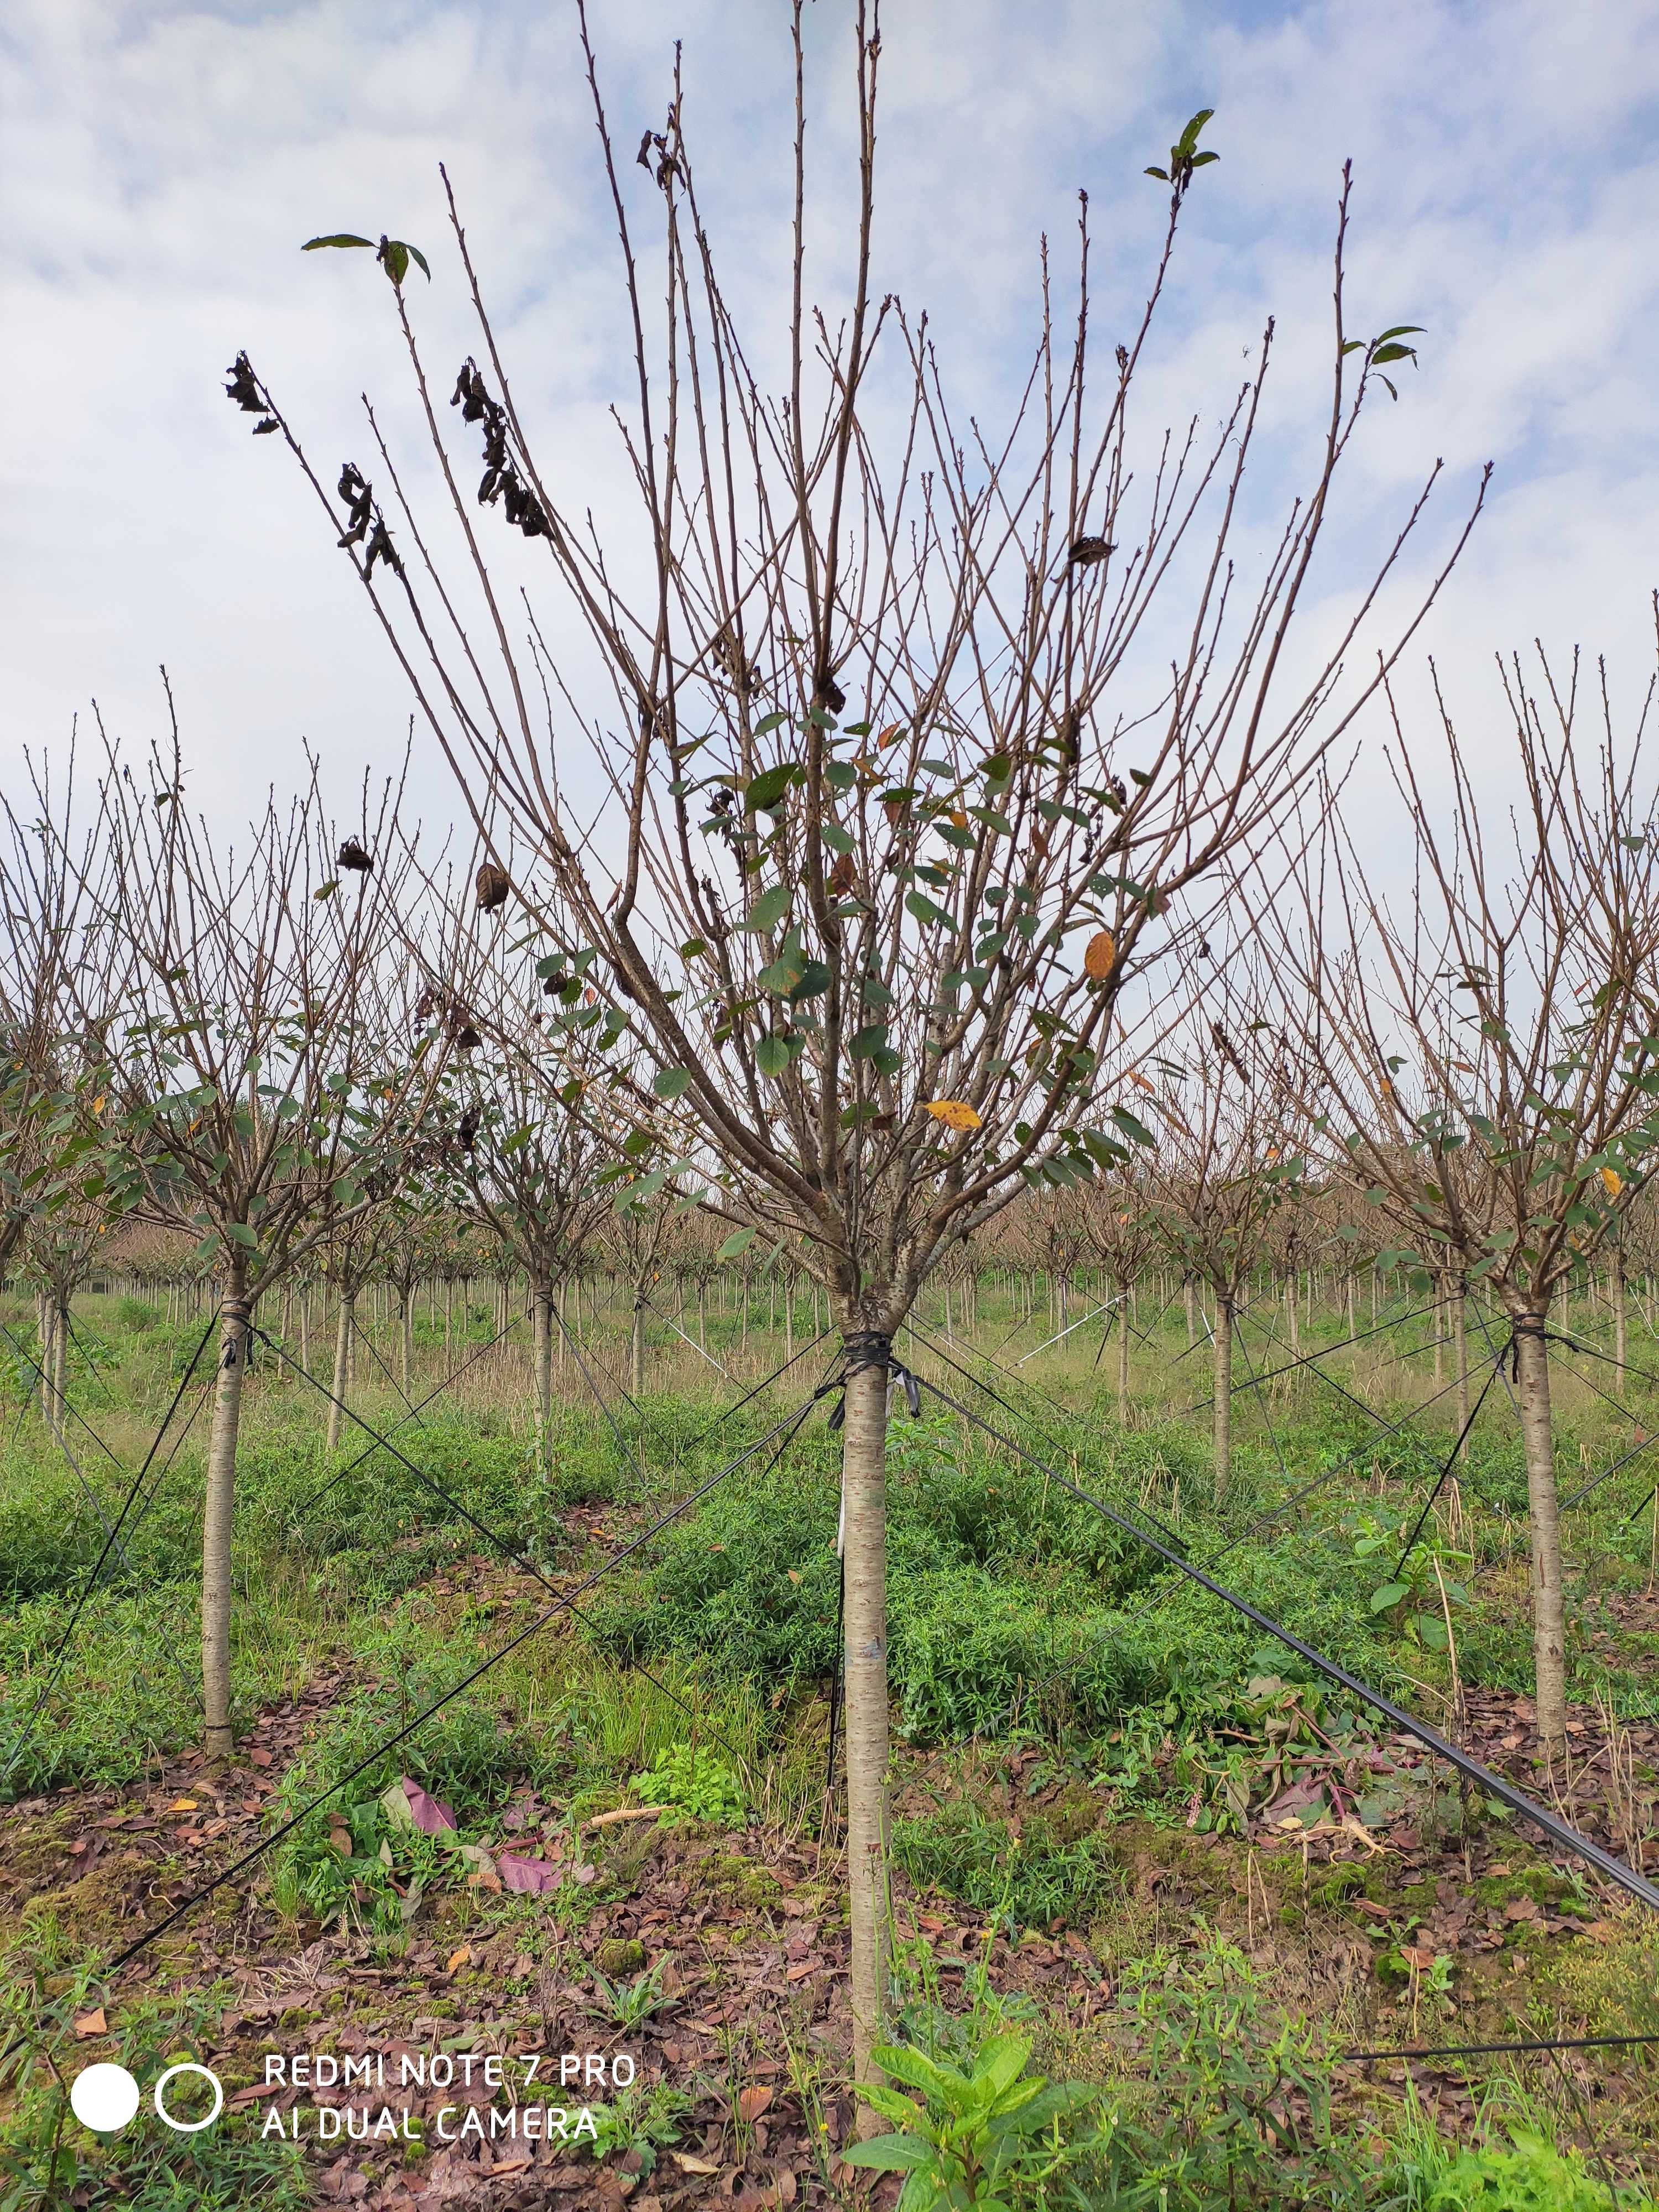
636, 1349
1224, 1397
405, 1337
342, 1337
864, 1563
235, 1317
1461, 1357
1544, 1515
1123, 1352
541, 1346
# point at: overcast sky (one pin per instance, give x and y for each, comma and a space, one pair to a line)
162, 165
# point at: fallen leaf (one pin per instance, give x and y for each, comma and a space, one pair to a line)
260, 1757
92, 2023
754, 2100
456, 1959
511, 2164
687, 2164
408, 1806
800, 1970
1417, 1956
341, 1839
184, 1805
792, 1574
528, 1877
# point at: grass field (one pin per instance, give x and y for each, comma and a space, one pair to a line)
1129, 1827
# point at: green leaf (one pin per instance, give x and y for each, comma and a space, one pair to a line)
766, 791
243, 1235
328, 890
1388, 353
739, 1241
1383, 1600
670, 1082
768, 723
904, 2063
890, 2153
925, 910
773, 1055
768, 908
340, 238
869, 1040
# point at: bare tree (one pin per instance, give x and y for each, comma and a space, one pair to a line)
252, 1004
890, 732
1122, 1233
1228, 1159
1483, 1055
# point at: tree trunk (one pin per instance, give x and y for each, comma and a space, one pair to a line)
1619, 1331
342, 1368
1224, 1397
542, 1337
1192, 1325
1548, 1611
1123, 1352
407, 1336
1461, 1357
636, 1351
864, 1563
235, 1317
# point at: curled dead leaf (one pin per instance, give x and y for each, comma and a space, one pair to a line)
754, 2100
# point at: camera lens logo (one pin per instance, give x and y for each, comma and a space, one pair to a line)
105, 2098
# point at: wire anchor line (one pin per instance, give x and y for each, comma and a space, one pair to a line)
1565, 1837
564, 1601
81, 1603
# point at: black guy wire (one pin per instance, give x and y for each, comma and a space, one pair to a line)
564, 1602
368, 1450
1323, 1351
1566, 1837
765, 1382
939, 1351
1475, 2049
51, 1682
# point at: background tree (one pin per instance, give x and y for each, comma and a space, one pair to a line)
1227, 1161
1484, 1057
867, 686
254, 993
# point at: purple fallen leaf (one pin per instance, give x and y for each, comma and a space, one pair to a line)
531, 1876
430, 1814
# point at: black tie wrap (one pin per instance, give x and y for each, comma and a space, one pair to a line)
873, 1347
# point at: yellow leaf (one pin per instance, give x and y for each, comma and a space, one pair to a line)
459, 1958
955, 1113
183, 1805
1135, 1076
1612, 1182
891, 734
92, 2023
1099, 954
792, 1575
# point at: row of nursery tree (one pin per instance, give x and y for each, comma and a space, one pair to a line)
884, 814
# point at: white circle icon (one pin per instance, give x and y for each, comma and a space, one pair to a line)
190, 2127
104, 2098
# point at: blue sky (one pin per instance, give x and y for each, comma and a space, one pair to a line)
161, 165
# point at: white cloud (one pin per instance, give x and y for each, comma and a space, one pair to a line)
163, 164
